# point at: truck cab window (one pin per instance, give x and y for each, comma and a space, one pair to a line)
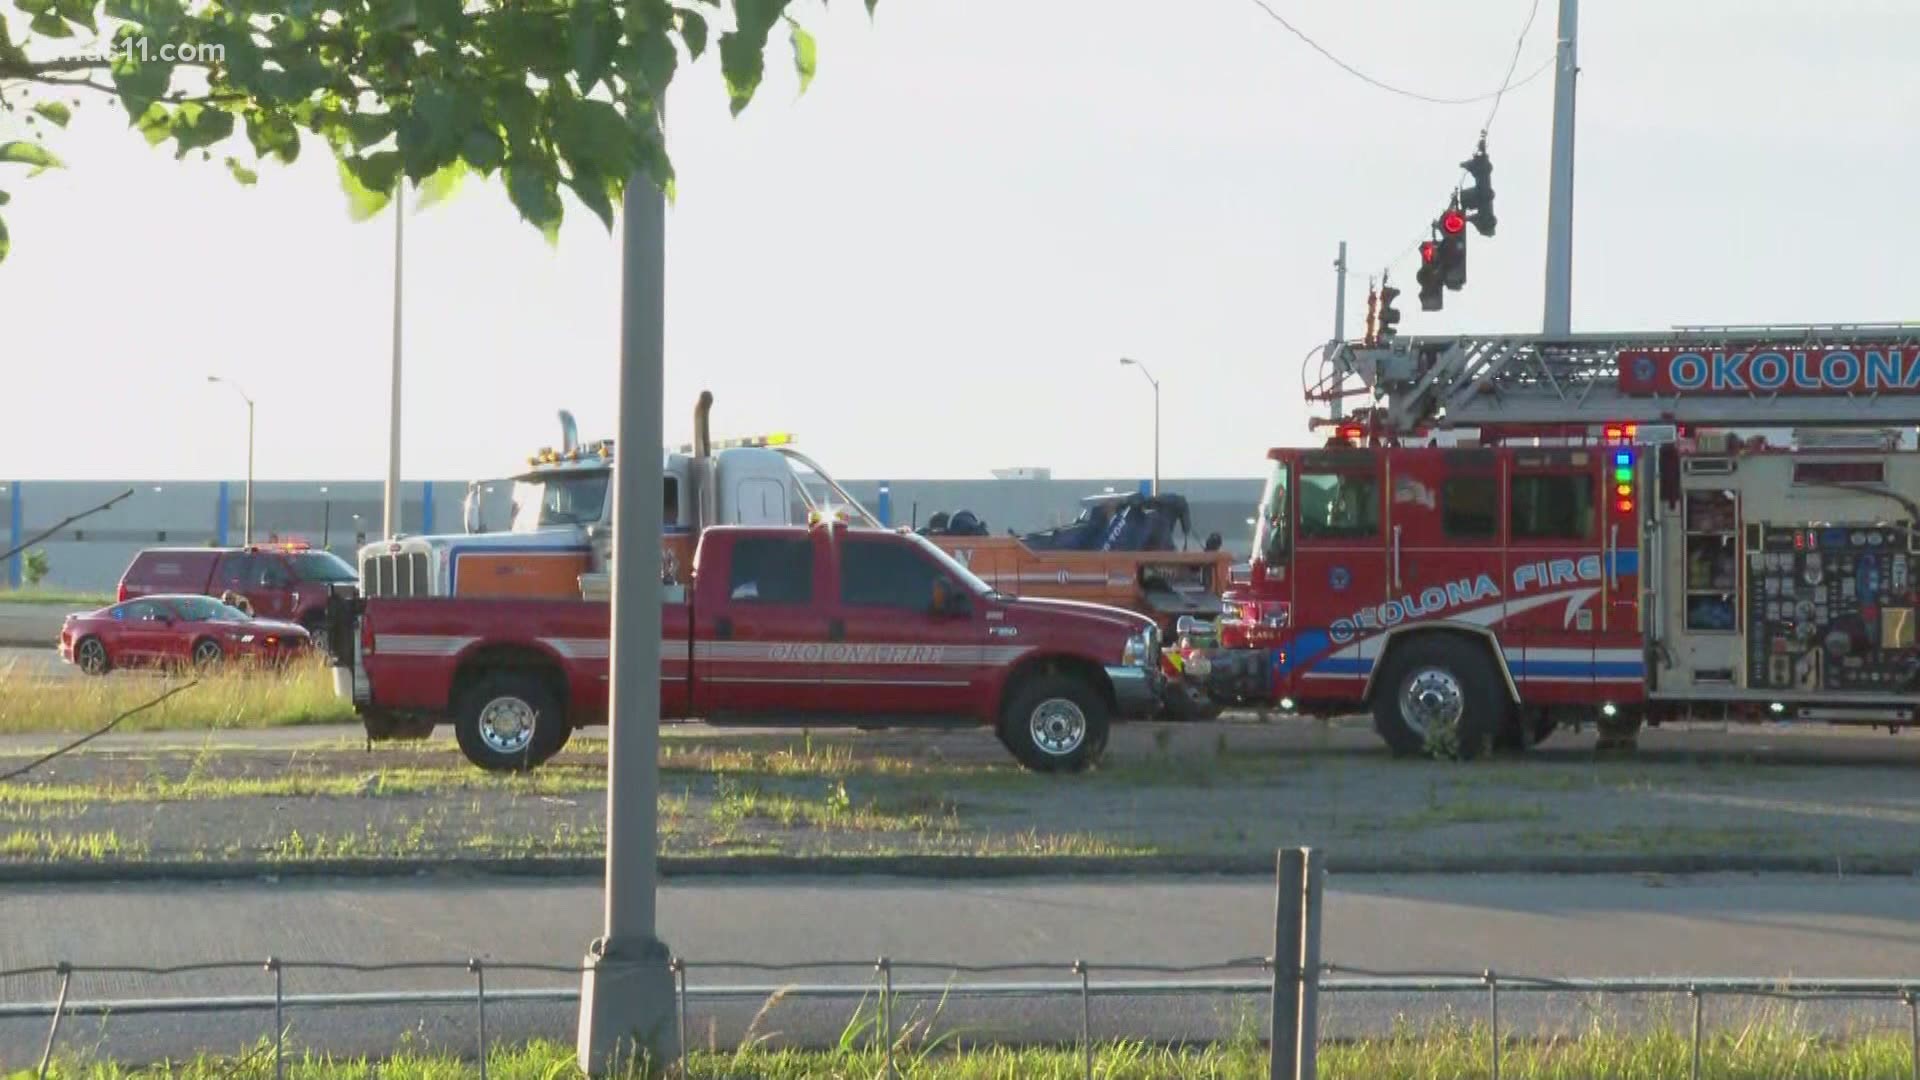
1339, 506
1270, 530
768, 570
885, 575
1551, 507
1470, 508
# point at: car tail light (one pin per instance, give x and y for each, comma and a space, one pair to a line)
120, 596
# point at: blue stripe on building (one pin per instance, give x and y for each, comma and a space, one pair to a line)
426, 509
221, 512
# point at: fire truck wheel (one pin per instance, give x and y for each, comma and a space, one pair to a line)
1439, 695
509, 722
1055, 723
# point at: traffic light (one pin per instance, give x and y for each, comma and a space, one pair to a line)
1452, 256
1373, 310
1386, 315
1432, 298
1478, 199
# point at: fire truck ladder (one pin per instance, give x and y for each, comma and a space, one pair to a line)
1530, 379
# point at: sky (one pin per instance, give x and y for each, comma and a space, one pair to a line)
930, 263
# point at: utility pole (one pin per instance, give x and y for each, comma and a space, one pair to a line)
1559, 307
393, 399
1125, 362
1339, 327
247, 533
626, 992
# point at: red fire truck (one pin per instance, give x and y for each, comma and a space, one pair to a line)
1522, 532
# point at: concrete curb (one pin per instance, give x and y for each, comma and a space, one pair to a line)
938, 867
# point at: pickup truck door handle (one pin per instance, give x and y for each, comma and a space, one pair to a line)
836, 629
723, 628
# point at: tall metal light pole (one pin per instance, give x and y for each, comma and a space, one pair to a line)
393, 400
1126, 362
1559, 313
626, 992
248, 533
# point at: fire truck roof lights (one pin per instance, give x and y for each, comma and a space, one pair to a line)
591, 453
281, 545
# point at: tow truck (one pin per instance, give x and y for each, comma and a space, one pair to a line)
1526, 531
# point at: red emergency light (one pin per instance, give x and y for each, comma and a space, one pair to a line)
1453, 222
1352, 432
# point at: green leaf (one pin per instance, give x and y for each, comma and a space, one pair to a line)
50, 25
5, 198
4, 243
362, 202
196, 127
29, 153
871, 4
593, 32
693, 31
535, 191
241, 172
55, 111
483, 149
140, 83
273, 135
441, 186
743, 49
806, 54
155, 125
79, 11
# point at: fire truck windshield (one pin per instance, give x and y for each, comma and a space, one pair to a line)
1270, 531
558, 500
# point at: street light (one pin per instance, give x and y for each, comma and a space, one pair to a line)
1126, 362
248, 533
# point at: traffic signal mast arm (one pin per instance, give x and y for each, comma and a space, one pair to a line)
1837, 376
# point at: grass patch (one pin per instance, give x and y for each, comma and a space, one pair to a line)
302, 694
79, 601
1660, 840
28, 846
387, 782
1469, 812
1765, 1049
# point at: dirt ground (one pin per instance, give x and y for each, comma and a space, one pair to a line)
1230, 788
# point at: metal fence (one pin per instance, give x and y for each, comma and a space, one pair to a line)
1293, 985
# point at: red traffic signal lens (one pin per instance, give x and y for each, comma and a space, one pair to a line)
1429, 251
1453, 222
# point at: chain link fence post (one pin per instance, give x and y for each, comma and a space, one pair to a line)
279, 1025
1086, 1015
679, 969
1289, 921
1313, 882
1913, 1030
480, 1000
1493, 1017
885, 967
1699, 1002
65, 971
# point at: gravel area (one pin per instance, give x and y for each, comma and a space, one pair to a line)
1231, 788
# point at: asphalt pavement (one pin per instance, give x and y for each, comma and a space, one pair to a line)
1605, 926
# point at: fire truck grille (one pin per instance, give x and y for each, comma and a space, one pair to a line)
406, 574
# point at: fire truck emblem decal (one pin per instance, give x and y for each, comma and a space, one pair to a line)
1339, 578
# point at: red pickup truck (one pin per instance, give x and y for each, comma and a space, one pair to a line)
781, 625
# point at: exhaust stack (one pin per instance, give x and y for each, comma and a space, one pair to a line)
569, 433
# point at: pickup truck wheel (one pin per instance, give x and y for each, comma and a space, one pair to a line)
509, 722
1055, 724
1440, 696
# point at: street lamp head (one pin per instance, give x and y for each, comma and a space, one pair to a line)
1125, 360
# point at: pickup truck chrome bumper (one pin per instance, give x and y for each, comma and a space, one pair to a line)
1136, 692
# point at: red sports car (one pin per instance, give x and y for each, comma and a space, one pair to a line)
176, 631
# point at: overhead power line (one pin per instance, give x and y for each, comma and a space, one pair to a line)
1507, 83
1491, 95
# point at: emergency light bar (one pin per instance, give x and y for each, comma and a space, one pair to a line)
602, 450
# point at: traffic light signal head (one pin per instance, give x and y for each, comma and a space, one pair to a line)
1430, 277
1452, 254
1373, 311
1478, 199
1386, 316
